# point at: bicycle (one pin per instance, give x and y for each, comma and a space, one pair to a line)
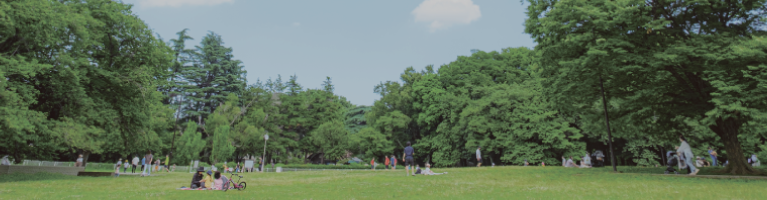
239, 186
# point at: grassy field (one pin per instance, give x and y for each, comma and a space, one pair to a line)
459, 183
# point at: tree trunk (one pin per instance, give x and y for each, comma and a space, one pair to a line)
727, 129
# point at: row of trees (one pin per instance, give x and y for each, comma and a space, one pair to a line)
90, 77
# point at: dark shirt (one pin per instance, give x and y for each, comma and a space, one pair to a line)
196, 180
409, 152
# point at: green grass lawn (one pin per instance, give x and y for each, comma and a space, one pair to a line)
459, 183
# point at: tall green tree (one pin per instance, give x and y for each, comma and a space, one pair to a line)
215, 75
665, 59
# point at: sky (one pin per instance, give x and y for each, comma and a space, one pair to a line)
359, 44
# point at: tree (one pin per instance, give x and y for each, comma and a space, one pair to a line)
190, 144
214, 76
331, 138
665, 59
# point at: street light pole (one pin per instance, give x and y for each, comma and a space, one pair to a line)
263, 158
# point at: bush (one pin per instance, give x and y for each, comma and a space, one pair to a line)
350, 166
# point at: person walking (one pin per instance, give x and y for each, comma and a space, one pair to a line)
126, 164
408, 158
167, 159
479, 157
393, 162
148, 163
685, 149
713, 155
387, 162
119, 164
373, 164
135, 164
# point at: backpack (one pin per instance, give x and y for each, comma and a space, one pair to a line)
226, 182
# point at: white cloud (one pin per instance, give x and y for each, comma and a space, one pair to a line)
296, 24
177, 3
441, 14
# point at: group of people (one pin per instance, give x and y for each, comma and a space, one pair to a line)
209, 180
390, 163
148, 165
585, 162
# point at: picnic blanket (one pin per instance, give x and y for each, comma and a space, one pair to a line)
186, 188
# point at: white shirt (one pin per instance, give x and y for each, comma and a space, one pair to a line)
135, 160
479, 155
79, 159
686, 150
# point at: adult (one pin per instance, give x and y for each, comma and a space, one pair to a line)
119, 164
586, 162
5, 160
79, 161
197, 178
713, 155
135, 164
479, 157
570, 163
428, 171
387, 162
755, 161
685, 149
149, 159
408, 158
699, 162
564, 161
393, 162
526, 163
260, 164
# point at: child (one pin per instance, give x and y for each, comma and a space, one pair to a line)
208, 180
117, 170
174, 168
218, 183
387, 162
126, 166
393, 162
373, 164
526, 163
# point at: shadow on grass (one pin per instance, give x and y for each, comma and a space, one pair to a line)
18, 177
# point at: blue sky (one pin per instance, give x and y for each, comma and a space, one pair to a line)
357, 43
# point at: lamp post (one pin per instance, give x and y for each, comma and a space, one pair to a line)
263, 158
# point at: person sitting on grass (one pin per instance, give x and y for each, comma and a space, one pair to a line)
218, 182
428, 171
586, 162
208, 180
570, 163
197, 179
417, 170
526, 163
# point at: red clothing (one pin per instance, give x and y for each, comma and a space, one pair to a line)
386, 162
372, 161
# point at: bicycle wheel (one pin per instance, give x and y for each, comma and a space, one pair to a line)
225, 188
241, 186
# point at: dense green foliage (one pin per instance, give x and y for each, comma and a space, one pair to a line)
90, 77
